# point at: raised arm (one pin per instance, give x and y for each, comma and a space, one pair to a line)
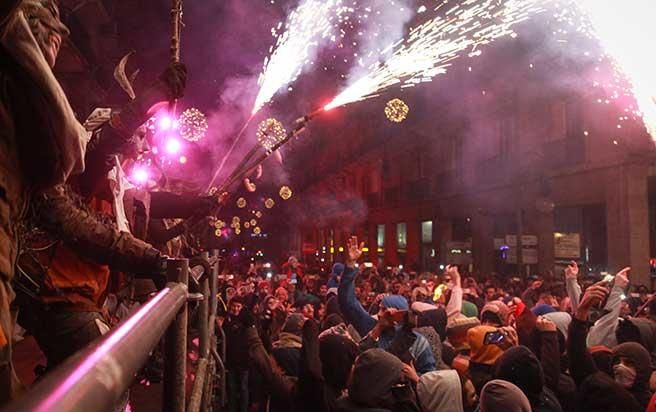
603, 331
351, 308
572, 285
581, 364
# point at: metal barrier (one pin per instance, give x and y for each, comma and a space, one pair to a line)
96, 378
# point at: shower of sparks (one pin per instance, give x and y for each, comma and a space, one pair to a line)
193, 124
396, 110
269, 133
626, 35
430, 48
306, 27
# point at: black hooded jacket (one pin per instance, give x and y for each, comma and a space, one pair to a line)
640, 358
520, 366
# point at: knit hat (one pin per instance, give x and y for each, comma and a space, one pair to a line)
480, 352
542, 309
456, 331
395, 302
498, 308
469, 309
338, 269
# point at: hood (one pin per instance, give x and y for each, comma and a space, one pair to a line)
502, 396
440, 391
66, 135
647, 329
599, 392
337, 353
288, 358
562, 321
520, 366
374, 375
640, 358
288, 340
479, 352
435, 317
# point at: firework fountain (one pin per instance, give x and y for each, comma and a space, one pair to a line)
625, 32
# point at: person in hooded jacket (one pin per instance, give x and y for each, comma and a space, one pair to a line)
596, 391
440, 391
502, 396
388, 329
632, 370
521, 367
377, 384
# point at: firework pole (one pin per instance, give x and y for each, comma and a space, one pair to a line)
176, 29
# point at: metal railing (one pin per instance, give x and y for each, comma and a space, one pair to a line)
96, 378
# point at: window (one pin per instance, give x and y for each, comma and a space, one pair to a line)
380, 236
427, 232
401, 235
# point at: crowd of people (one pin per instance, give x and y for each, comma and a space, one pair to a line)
358, 339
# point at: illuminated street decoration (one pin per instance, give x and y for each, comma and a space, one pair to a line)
285, 193
396, 110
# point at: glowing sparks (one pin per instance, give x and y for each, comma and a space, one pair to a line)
312, 22
626, 35
285, 193
193, 124
430, 48
269, 203
241, 203
396, 110
269, 133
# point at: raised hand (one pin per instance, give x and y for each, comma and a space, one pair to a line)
593, 296
354, 250
622, 277
572, 271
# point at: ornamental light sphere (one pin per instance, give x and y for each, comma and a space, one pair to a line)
269, 133
396, 110
285, 193
257, 230
253, 222
269, 203
258, 214
193, 124
247, 225
218, 232
241, 203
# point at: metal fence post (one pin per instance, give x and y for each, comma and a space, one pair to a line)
175, 345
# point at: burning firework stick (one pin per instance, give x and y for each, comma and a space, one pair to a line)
244, 166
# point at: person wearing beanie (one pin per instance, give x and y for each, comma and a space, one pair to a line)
543, 309
495, 313
335, 274
456, 332
390, 327
502, 396
482, 355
